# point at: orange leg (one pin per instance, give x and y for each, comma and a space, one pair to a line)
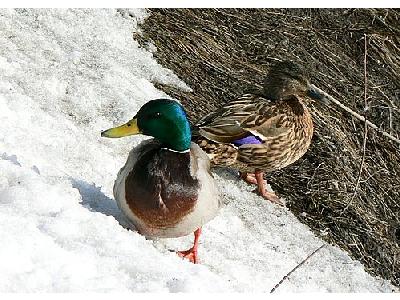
248, 177
263, 191
191, 254
258, 179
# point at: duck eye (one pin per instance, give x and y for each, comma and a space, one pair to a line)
152, 116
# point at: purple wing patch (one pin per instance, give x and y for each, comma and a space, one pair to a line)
251, 139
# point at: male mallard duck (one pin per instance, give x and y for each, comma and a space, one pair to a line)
262, 132
165, 188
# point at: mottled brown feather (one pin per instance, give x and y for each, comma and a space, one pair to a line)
284, 126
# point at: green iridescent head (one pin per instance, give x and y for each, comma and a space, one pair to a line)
163, 119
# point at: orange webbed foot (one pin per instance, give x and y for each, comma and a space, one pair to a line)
191, 254
258, 178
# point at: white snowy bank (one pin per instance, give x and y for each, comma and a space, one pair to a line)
64, 76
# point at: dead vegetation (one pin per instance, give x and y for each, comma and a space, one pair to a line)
222, 53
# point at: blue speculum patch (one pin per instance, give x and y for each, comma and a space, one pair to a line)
251, 139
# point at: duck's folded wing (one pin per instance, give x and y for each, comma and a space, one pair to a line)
240, 118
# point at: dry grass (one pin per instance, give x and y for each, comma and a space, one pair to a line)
222, 53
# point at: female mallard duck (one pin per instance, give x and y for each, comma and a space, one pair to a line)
263, 132
165, 188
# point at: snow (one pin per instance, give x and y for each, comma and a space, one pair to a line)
64, 76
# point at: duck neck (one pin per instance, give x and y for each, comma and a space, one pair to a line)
175, 151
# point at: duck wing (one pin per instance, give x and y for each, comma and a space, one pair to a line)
244, 116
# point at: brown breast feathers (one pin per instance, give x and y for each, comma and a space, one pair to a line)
159, 189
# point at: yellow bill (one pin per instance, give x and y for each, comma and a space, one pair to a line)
129, 128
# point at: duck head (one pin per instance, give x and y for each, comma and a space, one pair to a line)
287, 78
163, 119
